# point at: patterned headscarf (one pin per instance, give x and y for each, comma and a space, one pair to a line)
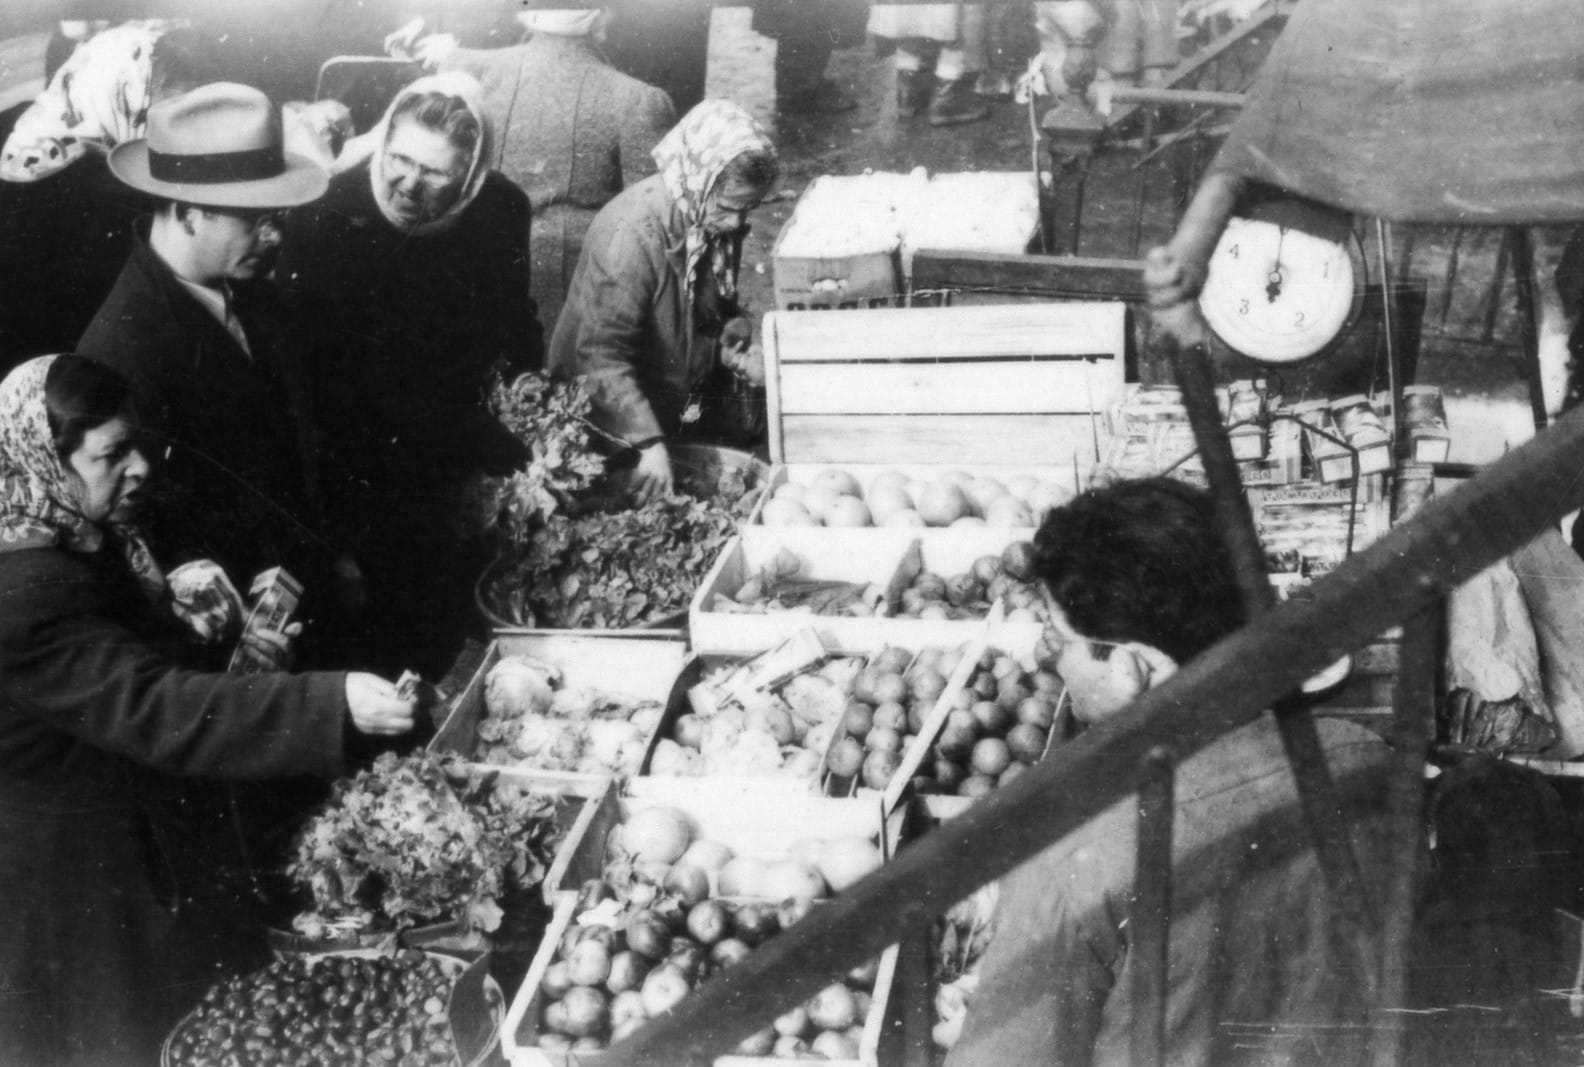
38, 502
97, 99
691, 159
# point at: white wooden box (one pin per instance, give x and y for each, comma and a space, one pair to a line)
995, 384
629, 663
862, 555
749, 820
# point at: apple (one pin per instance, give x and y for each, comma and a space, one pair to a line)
857, 719
648, 935
627, 971
833, 1008
728, 952
878, 767
885, 738
556, 980
793, 1023
708, 856
687, 955
754, 921
742, 876
555, 1017
708, 921
790, 1047
589, 964
835, 1046
792, 909
626, 1006
889, 715
663, 989
687, 883
688, 730
1038, 710
587, 1012
759, 1043
793, 878
992, 717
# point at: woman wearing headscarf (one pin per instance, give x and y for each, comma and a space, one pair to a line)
416, 261
572, 132
102, 693
65, 222
652, 316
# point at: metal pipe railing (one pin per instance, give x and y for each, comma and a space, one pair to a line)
1407, 571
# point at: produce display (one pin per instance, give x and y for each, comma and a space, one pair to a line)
834, 497
1008, 579
999, 724
781, 731
418, 839
776, 588
574, 551
890, 699
329, 1011
532, 721
674, 910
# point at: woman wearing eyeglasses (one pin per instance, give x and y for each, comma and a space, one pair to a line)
416, 261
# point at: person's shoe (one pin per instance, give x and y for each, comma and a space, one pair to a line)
996, 86
955, 102
913, 92
826, 98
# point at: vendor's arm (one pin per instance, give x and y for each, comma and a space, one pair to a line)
65, 660
1046, 975
1175, 272
622, 279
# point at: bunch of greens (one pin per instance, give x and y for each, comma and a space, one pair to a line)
415, 839
616, 569
551, 417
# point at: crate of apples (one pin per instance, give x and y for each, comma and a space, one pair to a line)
835, 497
1007, 578
890, 702
672, 910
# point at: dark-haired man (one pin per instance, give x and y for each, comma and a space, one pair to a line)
1140, 583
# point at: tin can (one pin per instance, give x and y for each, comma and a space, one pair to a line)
1425, 423
1412, 490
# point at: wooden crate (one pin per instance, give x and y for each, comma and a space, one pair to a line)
751, 822
1007, 384
865, 555
629, 664
1068, 479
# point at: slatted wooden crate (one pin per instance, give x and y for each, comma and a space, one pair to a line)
1000, 385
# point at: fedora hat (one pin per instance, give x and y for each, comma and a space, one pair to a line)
219, 145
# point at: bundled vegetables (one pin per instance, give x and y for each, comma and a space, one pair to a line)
777, 588
532, 721
963, 935
413, 840
574, 553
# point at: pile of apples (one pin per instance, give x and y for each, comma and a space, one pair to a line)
673, 911
1000, 724
834, 497
891, 698
1008, 577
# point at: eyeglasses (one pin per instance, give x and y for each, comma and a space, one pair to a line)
399, 168
254, 220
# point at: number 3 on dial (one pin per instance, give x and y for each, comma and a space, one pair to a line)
1275, 293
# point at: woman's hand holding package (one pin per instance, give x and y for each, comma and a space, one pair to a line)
376, 708
271, 649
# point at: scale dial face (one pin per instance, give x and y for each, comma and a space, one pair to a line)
1277, 294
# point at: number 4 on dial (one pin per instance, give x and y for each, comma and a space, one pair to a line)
1278, 293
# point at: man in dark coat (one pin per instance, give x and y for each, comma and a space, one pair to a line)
220, 367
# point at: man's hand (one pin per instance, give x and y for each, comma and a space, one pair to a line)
273, 650
435, 49
399, 43
652, 477
376, 707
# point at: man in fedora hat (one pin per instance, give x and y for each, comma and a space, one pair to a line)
222, 369
226, 391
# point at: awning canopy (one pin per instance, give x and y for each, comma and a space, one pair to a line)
1435, 111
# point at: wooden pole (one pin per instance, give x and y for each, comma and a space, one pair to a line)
1149, 917
1528, 322
1448, 541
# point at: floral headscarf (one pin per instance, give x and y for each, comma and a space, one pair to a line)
691, 158
38, 503
97, 99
